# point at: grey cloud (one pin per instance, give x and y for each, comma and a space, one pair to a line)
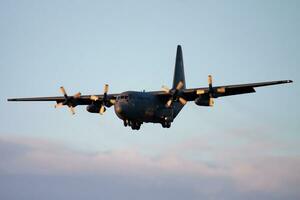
40, 169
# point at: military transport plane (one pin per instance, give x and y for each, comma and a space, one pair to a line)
135, 108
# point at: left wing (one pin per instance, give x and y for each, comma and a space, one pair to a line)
227, 90
204, 96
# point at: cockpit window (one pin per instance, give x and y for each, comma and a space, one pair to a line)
122, 97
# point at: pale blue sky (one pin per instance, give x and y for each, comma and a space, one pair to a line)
131, 45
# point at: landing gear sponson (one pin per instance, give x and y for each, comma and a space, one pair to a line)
137, 125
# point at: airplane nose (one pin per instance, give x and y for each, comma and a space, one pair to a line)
118, 108
122, 110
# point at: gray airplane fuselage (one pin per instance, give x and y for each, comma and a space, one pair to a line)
142, 107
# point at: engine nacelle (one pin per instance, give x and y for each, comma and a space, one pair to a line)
200, 101
93, 108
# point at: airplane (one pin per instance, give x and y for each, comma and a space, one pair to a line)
135, 108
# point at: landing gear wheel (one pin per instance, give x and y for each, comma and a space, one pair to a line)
166, 124
135, 126
125, 123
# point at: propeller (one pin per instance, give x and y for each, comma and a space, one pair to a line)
175, 94
212, 93
69, 100
105, 101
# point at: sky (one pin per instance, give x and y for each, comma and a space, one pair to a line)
245, 147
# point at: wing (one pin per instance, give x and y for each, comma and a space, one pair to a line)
76, 99
228, 90
97, 103
80, 100
218, 91
187, 94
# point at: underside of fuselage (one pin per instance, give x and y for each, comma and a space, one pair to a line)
135, 108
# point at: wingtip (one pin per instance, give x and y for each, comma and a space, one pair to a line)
290, 81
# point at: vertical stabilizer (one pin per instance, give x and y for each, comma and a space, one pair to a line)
178, 76
179, 69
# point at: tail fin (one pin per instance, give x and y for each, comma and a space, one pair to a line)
179, 69
178, 76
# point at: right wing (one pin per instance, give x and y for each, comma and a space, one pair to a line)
97, 103
76, 99
81, 100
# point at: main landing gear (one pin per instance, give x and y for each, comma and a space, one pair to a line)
134, 125
166, 124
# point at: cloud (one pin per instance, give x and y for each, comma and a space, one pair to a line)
46, 157
230, 173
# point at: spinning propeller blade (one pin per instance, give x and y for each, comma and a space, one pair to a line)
175, 94
63, 91
165, 89
59, 105
102, 110
182, 100
104, 101
69, 101
72, 109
